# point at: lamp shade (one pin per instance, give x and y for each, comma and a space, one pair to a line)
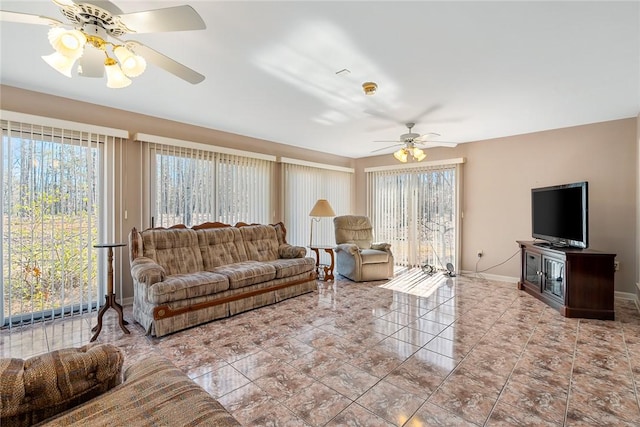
322, 208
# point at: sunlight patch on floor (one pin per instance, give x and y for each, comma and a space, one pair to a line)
416, 282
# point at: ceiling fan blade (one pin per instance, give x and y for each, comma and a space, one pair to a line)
26, 18
178, 18
388, 140
164, 62
426, 136
386, 148
431, 144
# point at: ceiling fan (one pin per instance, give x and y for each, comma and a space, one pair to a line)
412, 142
93, 40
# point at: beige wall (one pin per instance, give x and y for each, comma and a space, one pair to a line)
499, 174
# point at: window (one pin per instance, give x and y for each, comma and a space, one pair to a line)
416, 210
54, 209
191, 184
303, 185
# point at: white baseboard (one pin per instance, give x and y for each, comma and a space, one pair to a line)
126, 301
626, 296
495, 277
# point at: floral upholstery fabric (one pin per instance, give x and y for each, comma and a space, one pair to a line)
246, 273
176, 250
146, 270
185, 286
35, 389
260, 242
154, 393
292, 267
221, 246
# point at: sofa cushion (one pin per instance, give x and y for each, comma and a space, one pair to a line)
43, 386
260, 242
176, 250
293, 266
372, 256
155, 393
184, 286
221, 246
246, 273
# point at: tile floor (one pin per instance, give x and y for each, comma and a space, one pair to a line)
415, 351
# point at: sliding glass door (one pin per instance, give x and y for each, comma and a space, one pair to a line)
52, 215
416, 210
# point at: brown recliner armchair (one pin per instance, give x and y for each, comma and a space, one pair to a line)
357, 257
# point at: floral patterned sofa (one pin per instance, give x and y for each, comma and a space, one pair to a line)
183, 277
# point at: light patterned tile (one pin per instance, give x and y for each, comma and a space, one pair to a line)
466, 397
390, 402
284, 382
349, 381
433, 415
221, 381
356, 416
317, 404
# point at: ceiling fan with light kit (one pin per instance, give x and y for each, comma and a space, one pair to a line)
91, 39
412, 144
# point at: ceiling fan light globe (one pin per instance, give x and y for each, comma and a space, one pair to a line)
132, 65
69, 43
419, 154
60, 63
401, 155
115, 77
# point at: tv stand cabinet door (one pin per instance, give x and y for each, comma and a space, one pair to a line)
590, 286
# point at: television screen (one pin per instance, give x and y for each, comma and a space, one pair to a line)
559, 214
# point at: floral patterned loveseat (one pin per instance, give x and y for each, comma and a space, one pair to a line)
183, 277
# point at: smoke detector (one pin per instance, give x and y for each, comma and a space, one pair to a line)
369, 88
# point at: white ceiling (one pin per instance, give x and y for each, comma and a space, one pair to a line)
467, 70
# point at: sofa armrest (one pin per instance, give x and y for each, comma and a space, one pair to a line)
290, 251
381, 246
349, 248
45, 385
145, 270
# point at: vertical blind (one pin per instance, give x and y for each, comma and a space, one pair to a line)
191, 186
302, 187
416, 210
56, 204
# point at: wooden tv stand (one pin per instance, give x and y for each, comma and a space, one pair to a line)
577, 282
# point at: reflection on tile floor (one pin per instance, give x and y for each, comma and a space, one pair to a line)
417, 351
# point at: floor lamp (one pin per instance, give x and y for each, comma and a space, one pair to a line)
322, 208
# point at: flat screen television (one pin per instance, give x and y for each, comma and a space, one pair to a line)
560, 214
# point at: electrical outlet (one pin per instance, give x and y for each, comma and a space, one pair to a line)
616, 265
480, 253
